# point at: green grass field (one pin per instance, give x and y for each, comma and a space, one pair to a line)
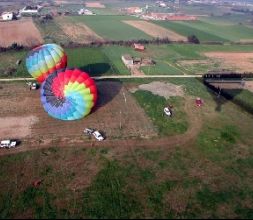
205, 10
211, 29
8, 66
169, 58
51, 32
186, 30
112, 27
154, 105
106, 60
91, 60
209, 177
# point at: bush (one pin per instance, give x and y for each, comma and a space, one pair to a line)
193, 39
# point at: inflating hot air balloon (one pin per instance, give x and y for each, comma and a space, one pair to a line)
68, 94
44, 60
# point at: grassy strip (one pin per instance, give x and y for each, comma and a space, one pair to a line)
154, 105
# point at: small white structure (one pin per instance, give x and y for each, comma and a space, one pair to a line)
7, 16
127, 60
84, 11
31, 10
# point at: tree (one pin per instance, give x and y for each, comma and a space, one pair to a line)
193, 39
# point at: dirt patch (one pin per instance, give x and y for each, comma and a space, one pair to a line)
16, 127
78, 32
135, 71
163, 89
155, 30
249, 86
94, 5
16, 32
235, 60
117, 114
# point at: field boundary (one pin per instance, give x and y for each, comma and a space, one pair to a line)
116, 77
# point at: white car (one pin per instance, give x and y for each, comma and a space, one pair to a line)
95, 133
167, 111
98, 135
8, 144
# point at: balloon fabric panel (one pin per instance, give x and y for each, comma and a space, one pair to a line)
68, 94
44, 60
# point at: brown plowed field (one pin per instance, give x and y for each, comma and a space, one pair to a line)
94, 5
79, 33
233, 60
155, 30
22, 32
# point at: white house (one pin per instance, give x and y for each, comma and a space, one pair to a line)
127, 60
7, 16
30, 10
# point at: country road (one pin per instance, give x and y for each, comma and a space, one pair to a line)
117, 77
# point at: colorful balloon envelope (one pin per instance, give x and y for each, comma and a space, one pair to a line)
68, 94
44, 60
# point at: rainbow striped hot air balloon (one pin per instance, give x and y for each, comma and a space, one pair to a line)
44, 60
68, 94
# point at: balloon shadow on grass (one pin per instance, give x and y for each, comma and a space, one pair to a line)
96, 69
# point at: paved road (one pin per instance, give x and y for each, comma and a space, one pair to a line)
117, 77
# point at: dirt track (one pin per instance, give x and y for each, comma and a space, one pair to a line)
22, 32
136, 129
155, 30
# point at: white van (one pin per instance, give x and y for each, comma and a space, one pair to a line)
8, 144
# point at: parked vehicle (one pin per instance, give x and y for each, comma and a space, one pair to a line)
98, 135
8, 144
95, 133
168, 111
33, 85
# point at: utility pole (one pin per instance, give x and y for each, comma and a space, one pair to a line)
120, 123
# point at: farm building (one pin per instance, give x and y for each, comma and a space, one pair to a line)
130, 61
7, 16
30, 10
133, 10
127, 60
139, 47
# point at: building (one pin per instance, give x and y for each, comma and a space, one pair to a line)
84, 11
134, 10
30, 10
139, 47
127, 60
7, 16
